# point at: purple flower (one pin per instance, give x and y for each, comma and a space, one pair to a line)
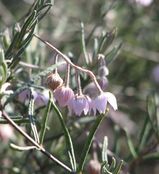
144, 2
25, 95
42, 99
6, 132
100, 102
63, 95
155, 74
79, 104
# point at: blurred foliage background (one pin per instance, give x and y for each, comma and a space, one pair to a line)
133, 62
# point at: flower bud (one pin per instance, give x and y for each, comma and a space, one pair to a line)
93, 167
103, 71
54, 81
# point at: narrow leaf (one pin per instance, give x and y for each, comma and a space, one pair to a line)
67, 136
104, 149
45, 120
20, 148
89, 142
31, 118
131, 145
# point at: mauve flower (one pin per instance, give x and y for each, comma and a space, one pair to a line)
93, 167
100, 102
25, 95
6, 132
79, 104
63, 95
42, 99
144, 2
155, 74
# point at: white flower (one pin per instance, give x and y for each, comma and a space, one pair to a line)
100, 102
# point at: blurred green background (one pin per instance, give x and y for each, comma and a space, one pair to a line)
132, 75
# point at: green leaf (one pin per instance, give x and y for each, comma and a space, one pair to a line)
16, 119
112, 165
95, 48
104, 149
151, 156
67, 137
145, 133
118, 168
24, 44
107, 40
84, 44
152, 108
9, 51
112, 55
20, 148
25, 28
131, 145
31, 117
89, 142
45, 120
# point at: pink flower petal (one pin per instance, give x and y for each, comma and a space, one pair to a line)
79, 104
100, 103
63, 95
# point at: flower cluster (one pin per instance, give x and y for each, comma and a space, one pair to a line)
79, 103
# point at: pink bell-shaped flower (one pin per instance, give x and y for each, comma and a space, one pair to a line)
79, 104
100, 102
63, 95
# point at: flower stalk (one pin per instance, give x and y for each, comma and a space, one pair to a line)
90, 73
33, 142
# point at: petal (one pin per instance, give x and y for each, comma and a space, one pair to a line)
111, 100
101, 103
63, 95
79, 104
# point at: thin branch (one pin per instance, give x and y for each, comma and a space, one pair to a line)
39, 147
72, 64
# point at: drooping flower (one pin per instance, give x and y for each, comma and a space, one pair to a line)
79, 104
6, 132
42, 98
63, 95
100, 102
25, 95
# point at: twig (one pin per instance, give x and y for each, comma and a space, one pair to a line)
39, 147
69, 62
